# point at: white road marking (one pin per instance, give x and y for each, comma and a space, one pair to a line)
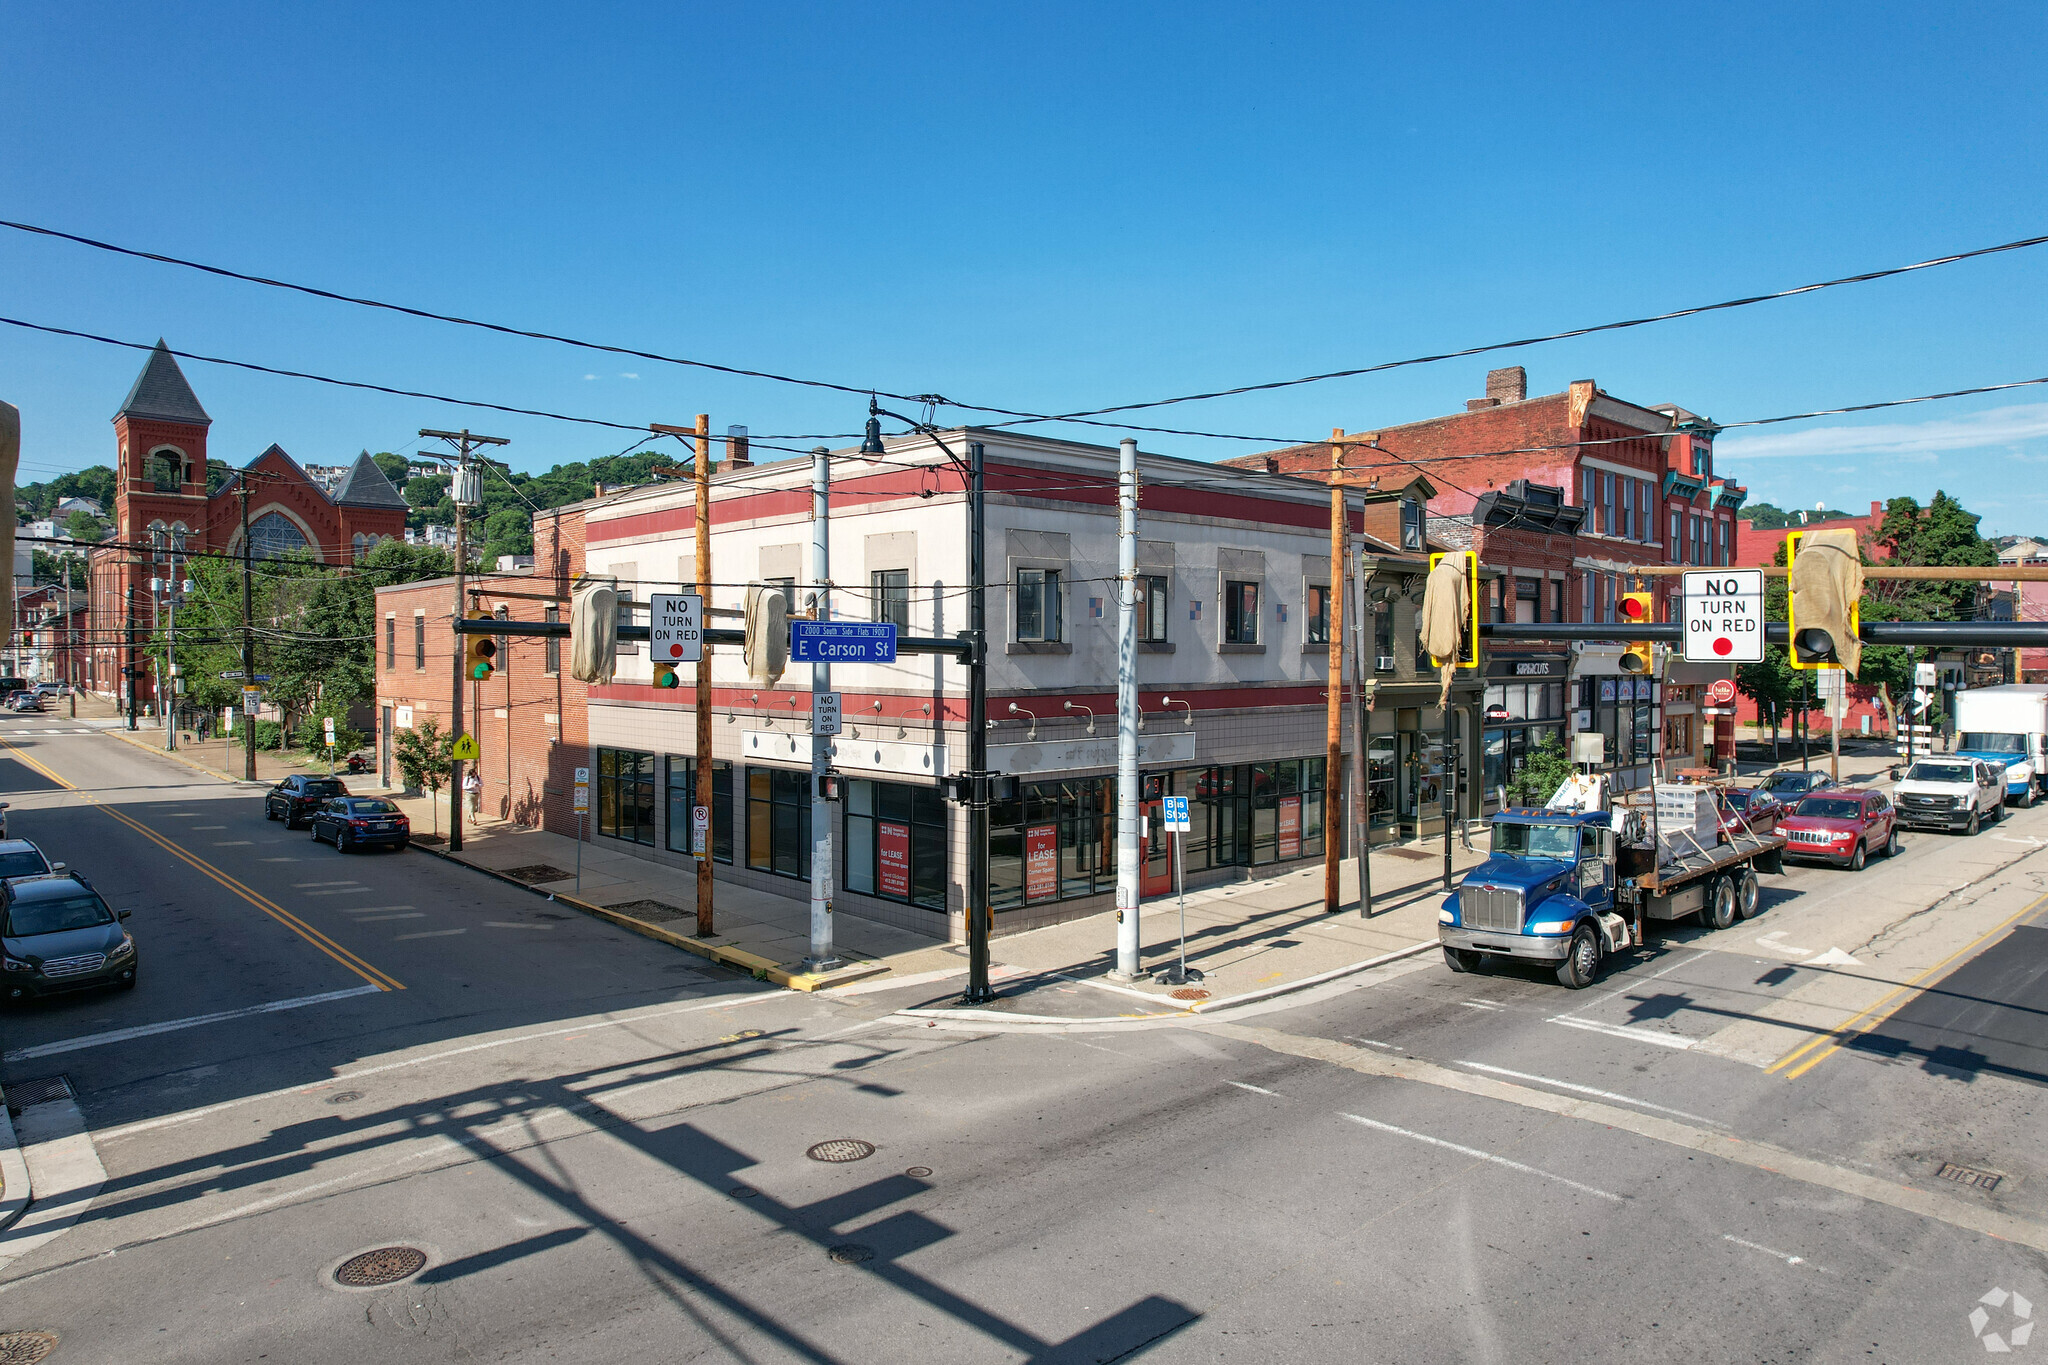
1770, 941
1255, 1089
1630, 1032
508, 924
375, 919
1477, 1005
1374, 1042
345, 891
588, 1025
430, 933
231, 843
1633, 985
301, 886
1588, 1090
1475, 1153
64, 1174
122, 1035
1784, 1256
1833, 957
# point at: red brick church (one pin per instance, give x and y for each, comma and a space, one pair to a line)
162, 509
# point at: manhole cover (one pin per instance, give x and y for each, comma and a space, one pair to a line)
742, 1192
25, 1348
345, 1097
1986, 1181
918, 1172
533, 873
385, 1265
1191, 993
851, 1253
841, 1149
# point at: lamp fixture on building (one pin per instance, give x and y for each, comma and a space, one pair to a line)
1076, 706
1031, 731
1188, 721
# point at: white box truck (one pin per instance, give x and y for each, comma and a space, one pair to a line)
2007, 725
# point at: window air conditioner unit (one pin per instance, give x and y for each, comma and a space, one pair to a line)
1384, 663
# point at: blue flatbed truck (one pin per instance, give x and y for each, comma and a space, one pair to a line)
1561, 887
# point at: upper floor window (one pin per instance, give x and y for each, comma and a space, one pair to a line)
167, 470
1315, 622
553, 643
1414, 524
1240, 613
889, 590
419, 640
1038, 604
1382, 636
1628, 508
274, 535
390, 643
1152, 599
1677, 546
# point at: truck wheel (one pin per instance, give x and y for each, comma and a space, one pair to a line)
1582, 963
1745, 892
1719, 911
1461, 960
2027, 797
1976, 823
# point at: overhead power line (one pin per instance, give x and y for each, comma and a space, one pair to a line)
1020, 417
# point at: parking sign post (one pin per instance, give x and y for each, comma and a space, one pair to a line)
1173, 812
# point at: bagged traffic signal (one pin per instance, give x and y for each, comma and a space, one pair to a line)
767, 647
1824, 605
593, 632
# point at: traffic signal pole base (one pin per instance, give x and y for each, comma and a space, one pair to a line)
1177, 974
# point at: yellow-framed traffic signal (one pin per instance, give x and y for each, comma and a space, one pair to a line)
1811, 656
1468, 653
479, 652
1637, 609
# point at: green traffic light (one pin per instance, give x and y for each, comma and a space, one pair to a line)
480, 672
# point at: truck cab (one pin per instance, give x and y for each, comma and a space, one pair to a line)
2007, 726
1546, 892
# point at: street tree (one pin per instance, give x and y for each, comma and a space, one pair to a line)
425, 759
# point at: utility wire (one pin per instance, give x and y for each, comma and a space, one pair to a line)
1022, 417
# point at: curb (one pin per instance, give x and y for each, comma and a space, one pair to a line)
13, 1172
1201, 1007
753, 964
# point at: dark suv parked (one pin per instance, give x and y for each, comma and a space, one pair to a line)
298, 796
56, 934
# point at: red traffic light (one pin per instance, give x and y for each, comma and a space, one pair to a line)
1636, 607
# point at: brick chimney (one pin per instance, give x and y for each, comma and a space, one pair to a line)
736, 456
1510, 385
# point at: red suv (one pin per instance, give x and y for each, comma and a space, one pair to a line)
1843, 826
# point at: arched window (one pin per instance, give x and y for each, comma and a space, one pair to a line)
273, 536
361, 544
178, 533
159, 540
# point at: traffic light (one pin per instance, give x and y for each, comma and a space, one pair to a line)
593, 631
479, 652
767, 633
1824, 608
1450, 610
665, 674
1637, 609
831, 786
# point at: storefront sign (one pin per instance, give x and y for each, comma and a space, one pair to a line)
893, 859
1721, 691
1041, 862
1532, 669
1290, 827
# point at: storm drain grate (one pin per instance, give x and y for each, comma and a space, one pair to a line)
652, 911
25, 1348
385, 1265
1191, 993
536, 872
1986, 1181
841, 1149
851, 1253
25, 1094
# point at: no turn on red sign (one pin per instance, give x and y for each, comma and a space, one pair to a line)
1724, 616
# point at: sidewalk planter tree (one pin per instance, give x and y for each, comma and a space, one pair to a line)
1540, 775
424, 761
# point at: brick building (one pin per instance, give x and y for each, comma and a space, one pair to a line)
163, 510
1557, 493
530, 718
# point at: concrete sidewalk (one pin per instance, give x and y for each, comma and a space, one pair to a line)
1248, 938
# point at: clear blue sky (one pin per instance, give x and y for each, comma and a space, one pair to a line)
1042, 207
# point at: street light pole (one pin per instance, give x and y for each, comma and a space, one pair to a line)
980, 918
248, 641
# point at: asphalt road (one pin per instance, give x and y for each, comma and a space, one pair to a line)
601, 1146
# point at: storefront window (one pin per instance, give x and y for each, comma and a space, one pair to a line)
896, 842
779, 822
625, 795
682, 798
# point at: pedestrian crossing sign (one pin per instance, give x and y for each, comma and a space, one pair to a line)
464, 748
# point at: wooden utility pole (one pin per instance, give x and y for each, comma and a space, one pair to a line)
467, 488
700, 799
1340, 532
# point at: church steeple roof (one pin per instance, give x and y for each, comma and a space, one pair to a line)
365, 486
162, 394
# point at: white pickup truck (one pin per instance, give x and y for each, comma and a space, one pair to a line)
1950, 793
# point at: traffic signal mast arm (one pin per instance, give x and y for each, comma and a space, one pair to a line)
536, 630
1918, 634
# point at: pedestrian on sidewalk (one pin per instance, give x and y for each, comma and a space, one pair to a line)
474, 785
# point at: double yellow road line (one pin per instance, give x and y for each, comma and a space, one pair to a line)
269, 907
1816, 1050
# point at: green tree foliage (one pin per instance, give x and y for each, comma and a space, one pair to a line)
83, 525
1942, 533
41, 499
1541, 774
424, 759
49, 568
312, 732
1764, 517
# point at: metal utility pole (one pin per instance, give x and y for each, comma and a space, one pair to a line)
1333, 692
467, 490
1129, 943
131, 656
701, 798
70, 640
821, 958
1361, 704
170, 709
980, 918
248, 639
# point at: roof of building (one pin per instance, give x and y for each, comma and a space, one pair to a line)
365, 486
161, 392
